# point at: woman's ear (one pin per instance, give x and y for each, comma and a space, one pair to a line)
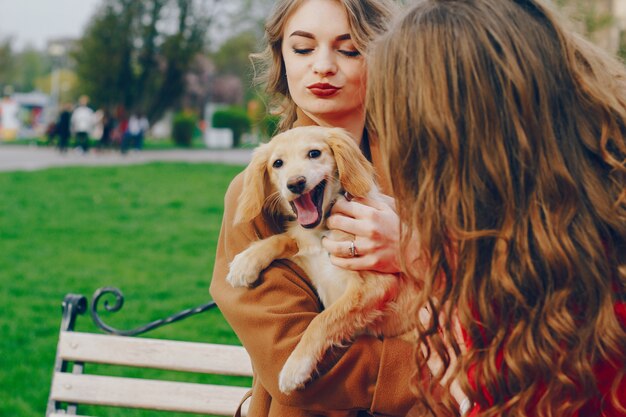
356, 173
255, 186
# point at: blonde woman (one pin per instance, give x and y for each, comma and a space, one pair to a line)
506, 134
316, 70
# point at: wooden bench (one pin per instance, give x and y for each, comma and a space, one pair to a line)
72, 385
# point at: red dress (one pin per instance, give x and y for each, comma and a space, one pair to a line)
605, 375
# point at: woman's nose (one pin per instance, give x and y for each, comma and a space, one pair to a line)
325, 63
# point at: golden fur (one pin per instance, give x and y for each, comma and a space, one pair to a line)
354, 301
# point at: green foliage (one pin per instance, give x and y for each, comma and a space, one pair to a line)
234, 118
150, 230
621, 52
7, 65
129, 55
592, 16
233, 58
183, 128
32, 65
20, 70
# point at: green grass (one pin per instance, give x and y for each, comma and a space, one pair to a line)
150, 230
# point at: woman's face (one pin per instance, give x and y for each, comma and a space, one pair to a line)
325, 73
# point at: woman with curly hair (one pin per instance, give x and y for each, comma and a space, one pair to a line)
506, 136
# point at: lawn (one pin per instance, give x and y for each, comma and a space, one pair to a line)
150, 230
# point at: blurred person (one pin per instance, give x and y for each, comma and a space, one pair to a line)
9, 116
134, 135
108, 124
507, 136
82, 123
121, 125
63, 127
51, 133
140, 131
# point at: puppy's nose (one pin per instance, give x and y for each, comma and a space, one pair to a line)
296, 184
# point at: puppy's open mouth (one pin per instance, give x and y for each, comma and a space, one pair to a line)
308, 207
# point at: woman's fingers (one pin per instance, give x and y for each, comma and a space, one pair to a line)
360, 263
435, 363
358, 205
340, 248
347, 224
376, 230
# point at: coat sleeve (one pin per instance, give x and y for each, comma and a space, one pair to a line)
270, 318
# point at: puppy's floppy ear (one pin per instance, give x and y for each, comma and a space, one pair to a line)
356, 173
255, 186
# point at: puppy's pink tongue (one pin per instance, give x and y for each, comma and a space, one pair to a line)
307, 211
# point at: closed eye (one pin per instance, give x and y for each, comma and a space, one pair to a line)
350, 54
302, 51
314, 153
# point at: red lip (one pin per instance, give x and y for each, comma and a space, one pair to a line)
323, 89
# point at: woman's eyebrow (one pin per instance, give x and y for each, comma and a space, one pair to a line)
344, 37
303, 34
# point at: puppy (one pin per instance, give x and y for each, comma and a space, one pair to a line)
300, 174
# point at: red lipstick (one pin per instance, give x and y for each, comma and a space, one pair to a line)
323, 89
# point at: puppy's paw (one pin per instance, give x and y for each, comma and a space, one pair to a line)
243, 271
295, 373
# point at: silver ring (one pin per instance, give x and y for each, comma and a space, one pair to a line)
353, 252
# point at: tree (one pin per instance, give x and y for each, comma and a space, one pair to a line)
233, 58
137, 53
32, 65
199, 82
7, 65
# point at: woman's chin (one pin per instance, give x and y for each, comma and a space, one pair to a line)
329, 110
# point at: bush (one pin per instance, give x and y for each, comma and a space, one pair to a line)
233, 118
183, 128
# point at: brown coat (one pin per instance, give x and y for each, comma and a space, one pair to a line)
371, 376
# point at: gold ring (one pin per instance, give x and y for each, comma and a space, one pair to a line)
352, 249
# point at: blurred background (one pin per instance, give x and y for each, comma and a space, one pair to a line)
176, 62
179, 72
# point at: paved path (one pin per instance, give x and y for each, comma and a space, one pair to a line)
30, 158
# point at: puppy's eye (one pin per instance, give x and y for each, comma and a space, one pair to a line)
278, 163
314, 153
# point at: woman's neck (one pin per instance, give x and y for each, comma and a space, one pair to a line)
353, 123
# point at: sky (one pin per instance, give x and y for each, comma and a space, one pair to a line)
35, 21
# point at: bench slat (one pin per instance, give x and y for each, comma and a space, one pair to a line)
146, 394
155, 353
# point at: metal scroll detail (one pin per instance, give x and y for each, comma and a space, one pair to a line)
119, 302
73, 305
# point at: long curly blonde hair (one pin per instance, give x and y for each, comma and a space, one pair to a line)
505, 133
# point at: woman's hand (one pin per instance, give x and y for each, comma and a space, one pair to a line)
435, 363
376, 229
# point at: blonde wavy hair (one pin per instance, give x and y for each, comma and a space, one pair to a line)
505, 133
366, 18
